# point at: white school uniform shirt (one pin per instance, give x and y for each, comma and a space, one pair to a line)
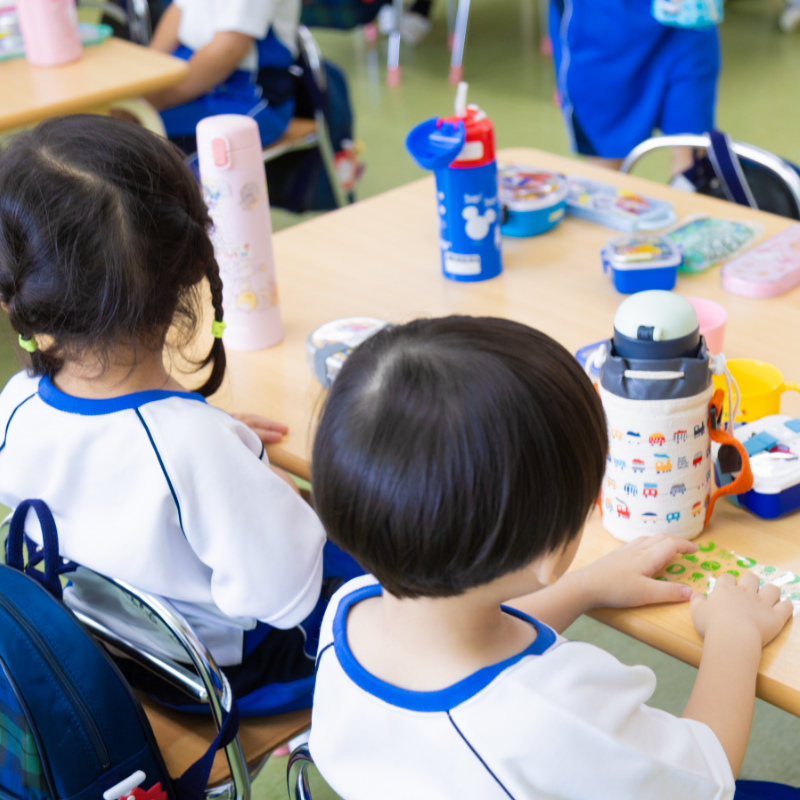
560, 720
169, 494
201, 20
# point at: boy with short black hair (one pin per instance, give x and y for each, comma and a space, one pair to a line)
457, 460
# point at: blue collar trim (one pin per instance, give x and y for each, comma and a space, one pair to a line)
92, 408
438, 701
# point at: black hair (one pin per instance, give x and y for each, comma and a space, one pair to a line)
103, 242
453, 451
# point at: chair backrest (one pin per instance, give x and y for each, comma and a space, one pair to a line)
207, 683
135, 16
774, 182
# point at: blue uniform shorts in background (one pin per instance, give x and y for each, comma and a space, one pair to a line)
621, 75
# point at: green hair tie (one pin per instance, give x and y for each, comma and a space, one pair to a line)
28, 344
217, 327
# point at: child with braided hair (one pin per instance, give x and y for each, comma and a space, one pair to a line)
103, 249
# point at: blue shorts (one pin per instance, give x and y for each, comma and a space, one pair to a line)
761, 790
240, 94
621, 75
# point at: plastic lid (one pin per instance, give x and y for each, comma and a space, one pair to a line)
774, 470
523, 188
236, 130
656, 316
435, 144
642, 251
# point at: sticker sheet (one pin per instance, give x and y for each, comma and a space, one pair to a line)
701, 570
707, 241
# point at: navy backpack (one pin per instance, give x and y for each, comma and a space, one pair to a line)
70, 725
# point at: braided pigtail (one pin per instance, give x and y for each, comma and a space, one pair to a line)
216, 355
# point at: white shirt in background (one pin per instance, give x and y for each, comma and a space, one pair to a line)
169, 494
561, 720
201, 20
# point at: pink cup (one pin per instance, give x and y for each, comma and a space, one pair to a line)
712, 318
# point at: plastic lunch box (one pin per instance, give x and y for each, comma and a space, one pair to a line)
532, 201
773, 444
642, 261
328, 347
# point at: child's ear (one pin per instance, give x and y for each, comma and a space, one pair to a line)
4, 306
546, 567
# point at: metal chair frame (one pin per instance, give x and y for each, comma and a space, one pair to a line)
302, 789
207, 684
321, 138
763, 158
136, 15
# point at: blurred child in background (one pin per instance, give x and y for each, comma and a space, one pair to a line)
239, 54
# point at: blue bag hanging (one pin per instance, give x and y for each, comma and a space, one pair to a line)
70, 726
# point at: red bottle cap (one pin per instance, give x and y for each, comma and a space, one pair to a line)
479, 145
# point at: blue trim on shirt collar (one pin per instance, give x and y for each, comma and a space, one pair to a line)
55, 398
438, 701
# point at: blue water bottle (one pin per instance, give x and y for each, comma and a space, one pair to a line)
460, 151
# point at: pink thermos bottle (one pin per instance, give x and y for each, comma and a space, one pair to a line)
235, 189
49, 31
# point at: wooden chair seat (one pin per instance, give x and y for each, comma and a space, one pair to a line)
301, 134
183, 738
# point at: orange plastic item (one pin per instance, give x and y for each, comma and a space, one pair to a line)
744, 481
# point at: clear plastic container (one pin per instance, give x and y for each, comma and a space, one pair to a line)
328, 347
533, 201
641, 262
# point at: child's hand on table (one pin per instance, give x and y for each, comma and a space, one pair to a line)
268, 431
742, 607
624, 577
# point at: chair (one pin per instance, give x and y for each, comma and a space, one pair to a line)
182, 738
774, 181
135, 17
300, 757
305, 134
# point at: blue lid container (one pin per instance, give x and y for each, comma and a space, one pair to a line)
532, 201
641, 262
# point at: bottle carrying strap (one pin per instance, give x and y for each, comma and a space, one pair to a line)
744, 480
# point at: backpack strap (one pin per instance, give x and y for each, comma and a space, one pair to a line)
192, 784
16, 538
729, 170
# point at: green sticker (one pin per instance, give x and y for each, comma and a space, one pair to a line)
746, 562
795, 598
676, 569
732, 572
706, 548
794, 580
693, 559
711, 566
696, 576
660, 578
769, 570
725, 554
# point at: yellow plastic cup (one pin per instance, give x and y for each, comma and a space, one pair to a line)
761, 385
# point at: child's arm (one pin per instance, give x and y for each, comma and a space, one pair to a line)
165, 37
736, 621
208, 67
621, 579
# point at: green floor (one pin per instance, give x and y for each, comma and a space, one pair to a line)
514, 84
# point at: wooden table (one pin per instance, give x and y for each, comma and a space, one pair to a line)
380, 258
112, 70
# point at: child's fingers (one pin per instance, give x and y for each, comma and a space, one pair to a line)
784, 611
769, 593
666, 549
749, 582
696, 600
665, 592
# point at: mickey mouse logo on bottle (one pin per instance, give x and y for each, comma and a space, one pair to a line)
460, 151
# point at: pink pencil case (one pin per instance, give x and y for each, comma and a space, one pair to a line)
769, 269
